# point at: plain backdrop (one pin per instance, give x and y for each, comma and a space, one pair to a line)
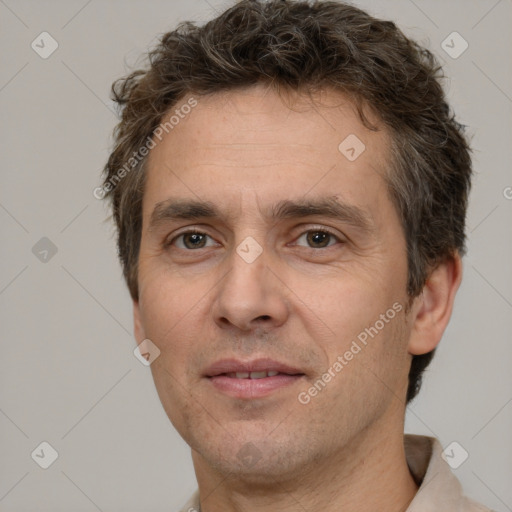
67, 371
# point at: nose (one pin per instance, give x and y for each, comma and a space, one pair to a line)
250, 296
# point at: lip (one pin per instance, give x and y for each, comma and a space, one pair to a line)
216, 374
256, 365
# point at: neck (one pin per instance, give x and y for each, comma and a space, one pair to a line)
369, 473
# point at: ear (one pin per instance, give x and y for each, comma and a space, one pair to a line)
432, 309
138, 329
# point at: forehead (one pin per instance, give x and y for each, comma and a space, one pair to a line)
273, 145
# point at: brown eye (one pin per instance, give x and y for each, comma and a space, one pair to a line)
192, 240
317, 239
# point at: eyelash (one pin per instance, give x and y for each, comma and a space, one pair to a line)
310, 230
189, 232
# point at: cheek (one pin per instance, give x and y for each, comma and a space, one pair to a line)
343, 306
168, 308
371, 366
364, 318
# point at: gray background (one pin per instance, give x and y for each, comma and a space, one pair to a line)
67, 372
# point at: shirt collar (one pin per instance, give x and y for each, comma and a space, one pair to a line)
440, 490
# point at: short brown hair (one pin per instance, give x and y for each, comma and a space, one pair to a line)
306, 46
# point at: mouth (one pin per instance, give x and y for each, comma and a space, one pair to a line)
252, 375
251, 379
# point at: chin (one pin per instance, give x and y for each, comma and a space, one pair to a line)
255, 461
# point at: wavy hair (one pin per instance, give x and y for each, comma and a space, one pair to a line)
307, 46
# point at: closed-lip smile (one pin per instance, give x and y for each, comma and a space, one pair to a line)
251, 379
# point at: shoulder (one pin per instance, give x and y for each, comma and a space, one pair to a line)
468, 505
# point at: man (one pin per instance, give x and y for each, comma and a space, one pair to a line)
290, 188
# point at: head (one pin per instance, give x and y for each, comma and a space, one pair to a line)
238, 129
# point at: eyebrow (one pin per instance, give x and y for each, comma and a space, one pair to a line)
188, 209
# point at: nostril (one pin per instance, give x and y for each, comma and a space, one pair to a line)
263, 317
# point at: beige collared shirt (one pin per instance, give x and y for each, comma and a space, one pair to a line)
440, 490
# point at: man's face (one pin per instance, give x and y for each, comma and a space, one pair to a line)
254, 296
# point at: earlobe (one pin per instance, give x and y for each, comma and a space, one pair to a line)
432, 309
138, 329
